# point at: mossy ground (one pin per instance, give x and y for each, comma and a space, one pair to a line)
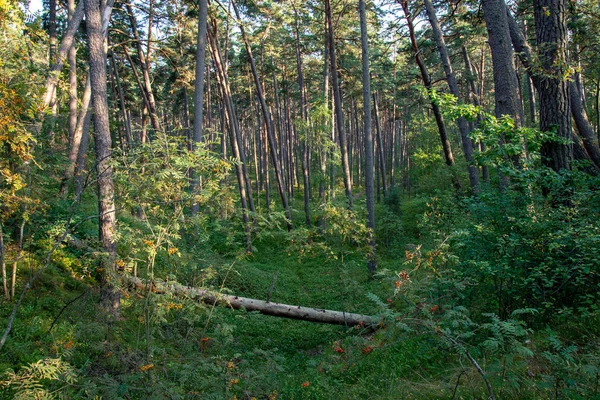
168, 347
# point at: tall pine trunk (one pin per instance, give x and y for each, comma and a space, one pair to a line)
368, 138
106, 207
439, 119
339, 112
551, 38
467, 143
305, 120
268, 122
199, 88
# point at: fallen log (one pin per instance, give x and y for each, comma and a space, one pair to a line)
263, 307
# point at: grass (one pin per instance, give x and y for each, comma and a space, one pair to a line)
169, 347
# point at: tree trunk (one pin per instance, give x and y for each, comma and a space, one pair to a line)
61, 55
52, 30
145, 67
106, 207
588, 136
81, 132
72, 57
77, 135
231, 119
199, 87
439, 119
368, 138
305, 119
380, 147
505, 78
80, 178
467, 143
122, 104
475, 99
263, 307
339, 112
551, 38
590, 150
268, 122
13, 278
3, 264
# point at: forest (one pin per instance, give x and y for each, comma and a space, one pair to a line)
300, 199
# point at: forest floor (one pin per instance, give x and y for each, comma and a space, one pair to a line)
165, 347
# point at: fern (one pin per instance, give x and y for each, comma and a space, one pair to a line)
33, 380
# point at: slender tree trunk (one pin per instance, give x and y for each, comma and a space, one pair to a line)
305, 119
380, 147
323, 181
339, 112
261, 306
439, 119
61, 55
588, 136
199, 87
597, 104
531, 97
231, 118
368, 138
13, 278
145, 67
268, 122
467, 143
52, 30
82, 127
77, 136
106, 207
122, 104
3, 264
80, 178
72, 57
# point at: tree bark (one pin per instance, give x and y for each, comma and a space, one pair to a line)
380, 146
305, 119
106, 207
551, 38
52, 30
81, 131
505, 78
589, 144
3, 264
145, 67
77, 136
268, 122
123, 106
61, 55
72, 56
588, 136
467, 143
264, 307
199, 87
368, 138
339, 112
439, 119
475, 99
80, 178
231, 119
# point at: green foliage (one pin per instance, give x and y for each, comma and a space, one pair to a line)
19, 90
39, 380
152, 180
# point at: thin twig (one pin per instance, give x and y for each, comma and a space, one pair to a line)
65, 307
